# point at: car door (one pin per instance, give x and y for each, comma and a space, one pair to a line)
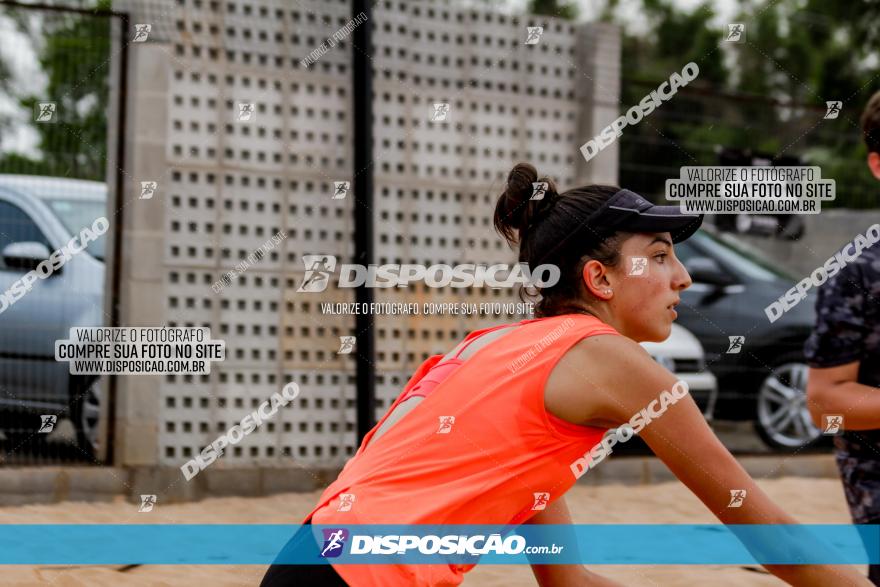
29, 373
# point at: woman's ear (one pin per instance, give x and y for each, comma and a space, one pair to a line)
595, 278
874, 164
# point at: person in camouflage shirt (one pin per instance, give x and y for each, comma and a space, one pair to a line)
843, 352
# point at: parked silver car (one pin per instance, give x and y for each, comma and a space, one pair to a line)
39, 215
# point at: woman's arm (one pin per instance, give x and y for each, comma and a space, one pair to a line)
621, 379
563, 575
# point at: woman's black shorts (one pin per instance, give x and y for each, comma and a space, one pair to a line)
321, 575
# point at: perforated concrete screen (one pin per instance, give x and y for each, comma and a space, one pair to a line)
245, 142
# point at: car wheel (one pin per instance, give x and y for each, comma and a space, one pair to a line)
783, 420
86, 414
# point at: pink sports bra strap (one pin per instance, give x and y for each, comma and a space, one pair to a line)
441, 370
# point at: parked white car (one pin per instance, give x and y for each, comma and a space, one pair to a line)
683, 355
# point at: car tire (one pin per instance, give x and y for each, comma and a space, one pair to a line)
782, 418
85, 411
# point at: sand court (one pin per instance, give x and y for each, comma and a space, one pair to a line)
810, 500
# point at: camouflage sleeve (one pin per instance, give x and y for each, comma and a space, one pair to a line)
839, 334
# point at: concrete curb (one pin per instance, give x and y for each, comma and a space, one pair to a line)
27, 485
54, 484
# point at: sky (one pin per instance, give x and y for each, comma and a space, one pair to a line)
27, 76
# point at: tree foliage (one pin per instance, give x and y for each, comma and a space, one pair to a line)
74, 52
560, 9
766, 94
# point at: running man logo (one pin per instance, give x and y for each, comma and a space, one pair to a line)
441, 111
737, 497
334, 542
446, 423
346, 502
833, 109
539, 188
141, 32
833, 424
736, 344
245, 112
541, 500
47, 423
638, 266
45, 112
735, 33
318, 271
346, 345
534, 34
340, 189
148, 189
147, 503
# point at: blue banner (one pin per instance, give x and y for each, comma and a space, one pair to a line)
606, 544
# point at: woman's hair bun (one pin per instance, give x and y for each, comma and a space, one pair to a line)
516, 211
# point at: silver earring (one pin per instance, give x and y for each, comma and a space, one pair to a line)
607, 291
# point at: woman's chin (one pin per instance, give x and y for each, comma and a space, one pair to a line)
658, 334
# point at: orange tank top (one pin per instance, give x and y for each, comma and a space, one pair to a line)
479, 449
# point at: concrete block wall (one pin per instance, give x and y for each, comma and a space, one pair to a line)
226, 186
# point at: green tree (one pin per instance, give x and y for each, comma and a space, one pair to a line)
668, 138
75, 55
5, 83
766, 94
806, 53
559, 9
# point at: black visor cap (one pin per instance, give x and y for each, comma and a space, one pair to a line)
629, 212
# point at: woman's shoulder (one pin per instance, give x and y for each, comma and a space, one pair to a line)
593, 374
606, 351
605, 375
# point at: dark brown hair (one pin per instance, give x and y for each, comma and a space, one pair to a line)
553, 230
871, 123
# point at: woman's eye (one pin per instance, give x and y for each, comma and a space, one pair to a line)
660, 257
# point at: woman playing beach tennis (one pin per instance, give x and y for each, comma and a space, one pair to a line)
504, 424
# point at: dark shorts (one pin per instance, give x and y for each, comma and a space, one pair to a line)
861, 485
860, 475
320, 575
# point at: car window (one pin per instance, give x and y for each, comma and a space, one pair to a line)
76, 215
730, 253
737, 255
16, 226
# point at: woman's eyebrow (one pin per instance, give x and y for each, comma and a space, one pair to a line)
660, 239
